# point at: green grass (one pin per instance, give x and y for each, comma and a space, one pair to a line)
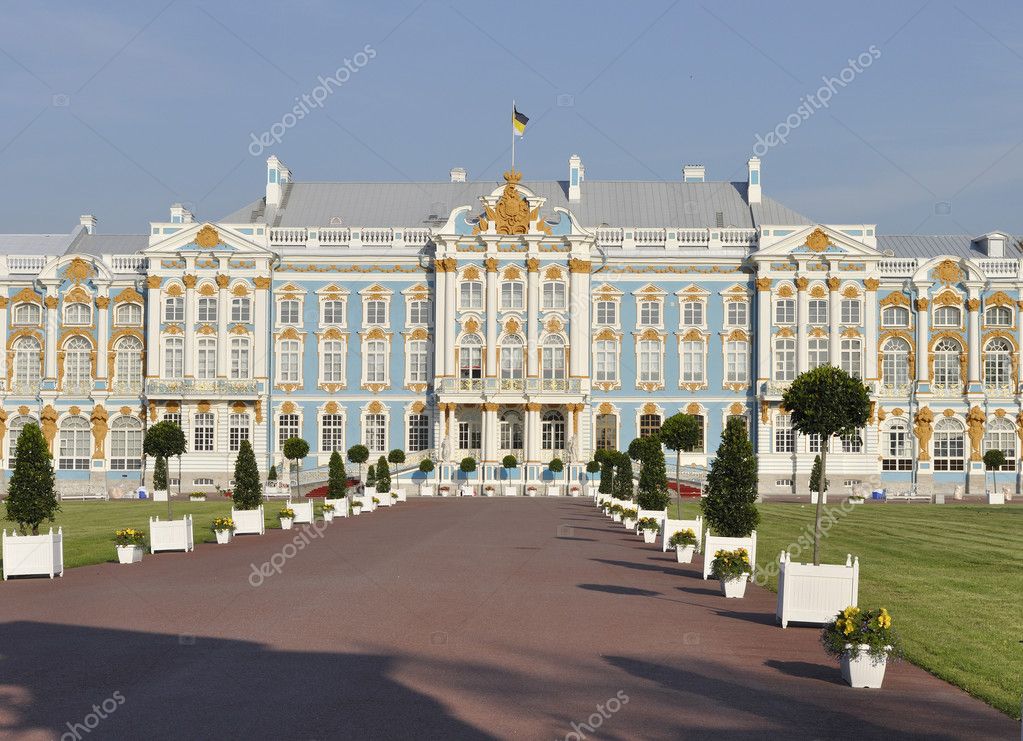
89, 526
951, 575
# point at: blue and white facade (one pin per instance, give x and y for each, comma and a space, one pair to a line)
536, 319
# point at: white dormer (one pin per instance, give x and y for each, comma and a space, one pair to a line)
276, 175
694, 173
576, 173
993, 244
753, 180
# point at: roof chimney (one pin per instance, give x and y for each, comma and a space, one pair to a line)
276, 175
753, 182
693, 173
457, 174
89, 222
576, 175
180, 215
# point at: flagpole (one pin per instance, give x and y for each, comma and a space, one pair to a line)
513, 135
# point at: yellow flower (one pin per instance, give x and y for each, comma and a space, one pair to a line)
848, 628
850, 612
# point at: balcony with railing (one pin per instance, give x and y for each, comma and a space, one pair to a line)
126, 388
509, 385
25, 263
188, 387
129, 263
343, 236
699, 238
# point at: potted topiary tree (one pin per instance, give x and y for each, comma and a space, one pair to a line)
359, 454
681, 432
993, 460
466, 467
508, 463
607, 471
426, 467
383, 482
371, 477
653, 479
247, 498
397, 457
295, 450
337, 485
623, 485
556, 466
163, 440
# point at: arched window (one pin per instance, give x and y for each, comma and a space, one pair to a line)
947, 353
128, 362
512, 359
513, 295
895, 316
240, 358
552, 359
896, 447
173, 357
949, 447
241, 309
552, 430
649, 424
998, 364
606, 432
817, 352
784, 359
470, 294
26, 313
334, 361
238, 429
77, 314
174, 309
74, 444
605, 361
511, 431
470, 357
27, 364
77, 363
206, 358
129, 314
290, 364
14, 429
895, 363
554, 296
126, 444
852, 357
1001, 435
948, 316
998, 316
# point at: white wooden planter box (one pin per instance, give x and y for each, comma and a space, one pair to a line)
340, 506
171, 535
671, 527
33, 555
995, 497
384, 497
591, 489
714, 543
510, 490
159, 495
303, 511
402, 495
553, 490
815, 594
367, 502
426, 490
466, 490
248, 521
656, 514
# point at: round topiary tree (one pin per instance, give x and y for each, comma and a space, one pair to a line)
556, 466
731, 490
359, 454
468, 465
622, 487
507, 464
246, 493
653, 479
993, 460
31, 497
295, 450
396, 456
426, 465
681, 432
826, 401
337, 479
163, 440
383, 482
593, 466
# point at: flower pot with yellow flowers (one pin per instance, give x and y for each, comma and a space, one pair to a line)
287, 518
863, 641
733, 569
130, 544
223, 528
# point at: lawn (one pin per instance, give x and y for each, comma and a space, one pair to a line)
951, 575
89, 526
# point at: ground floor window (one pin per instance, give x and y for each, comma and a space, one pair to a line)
126, 444
75, 451
238, 430
852, 442
418, 432
784, 435
287, 428
949, 447
607, 432
896, 450
374, 433
1001, 436
552, 431
511, 431
202, 430
332, 433
470, 436
649, 424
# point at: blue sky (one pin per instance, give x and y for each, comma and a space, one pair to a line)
120, 109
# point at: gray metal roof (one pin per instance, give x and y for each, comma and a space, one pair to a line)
929, 245
108, 244
616, 203
35, 244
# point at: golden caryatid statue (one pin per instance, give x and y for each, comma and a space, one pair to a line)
922, 422
48, 417
99, 431
975, 429
511, 214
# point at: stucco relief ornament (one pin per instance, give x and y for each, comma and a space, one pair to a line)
975, 429
207, 237
99, 431
817, 240
511, 212
78, 271
922, 422
948, 271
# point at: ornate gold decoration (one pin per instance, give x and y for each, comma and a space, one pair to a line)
873, 407
512, 326
817, 240
154, 281
261, 281
833, 283
3, 302
48, 419
763, 284
650, 408
923, 421
786, 332
26, 295
511, 213
375, 407
491, 264
532, 265
999, 298
512, 273
1019, 426
894, 299
765, 411
818, 332
897, 412
102, 302
202, 407
419, 333
240, 289
207, 237
801, 283
605, 408
207, 329
533, 406
973, 304
553, 325
881, 414
975, 429
189, 280
850, 332
553, 273
871, 284
78, 271
51, 302
649, 334
818, 292
576, 265
851, 292
948, 271
785, 291
471, 273
999, 413
693, 335
288, 407
471, 325
376, 334
737, 335
238, 407
693, 408
948, 298
222, 280
174, 290
922, 304
77, 295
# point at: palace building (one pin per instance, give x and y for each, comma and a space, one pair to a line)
537, 319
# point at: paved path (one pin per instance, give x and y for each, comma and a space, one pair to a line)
459, 618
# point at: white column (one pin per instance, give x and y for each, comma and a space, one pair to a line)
834, 314
3, 342
449, 316
489, 421
532, 317
763, 328
922, 317
870, 319
581, 320
153, 348
51, 332
223, 314
802, 328
491, 362
189, 326
259, 318
532, 432
103, 337
440, 319
973, 343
